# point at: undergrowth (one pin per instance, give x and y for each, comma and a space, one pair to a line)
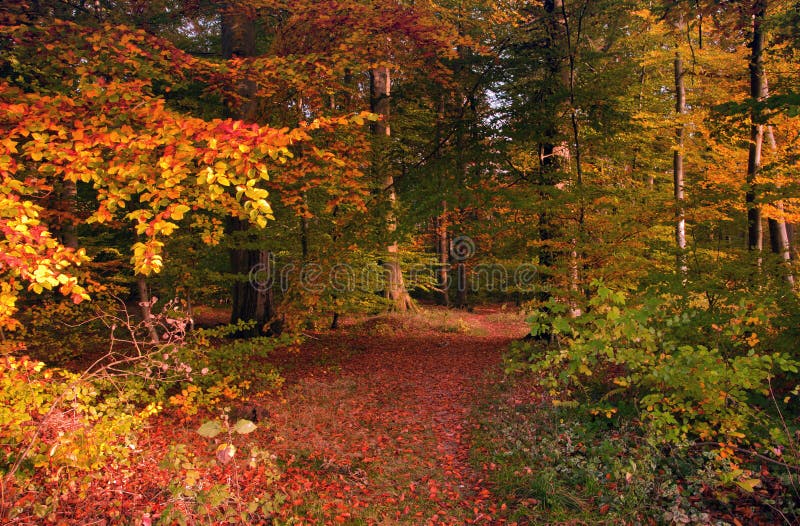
570, 464
65, 434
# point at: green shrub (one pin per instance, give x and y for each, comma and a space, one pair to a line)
656, 352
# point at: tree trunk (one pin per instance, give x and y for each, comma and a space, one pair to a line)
549, 159
441, 246
755, 235
443, 251
575, 254
462, 286
252, 301
792, 244
380, 88
677, 166
778, 229
553, 156
146, 304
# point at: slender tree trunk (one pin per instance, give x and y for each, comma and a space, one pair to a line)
778, 229
755, 235
380, 84
677, 166
791, 238
649, 178
441, 244
146, 304
572, 37
442, 249
549, 159
462, 287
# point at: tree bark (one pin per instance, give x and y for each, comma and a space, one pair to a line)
146, 304
251, 301
443, 252
549, 158
677, 166
778, 229
462, 287
755, 235
380, 91
573, 276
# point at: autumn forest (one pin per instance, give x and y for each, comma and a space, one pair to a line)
400, 262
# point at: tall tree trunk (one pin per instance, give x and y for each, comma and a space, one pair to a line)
778, 229
443, 252
572, 37
251, 301
677, 166
755, 235
462, 287
549, 158
649, 179
441, 245
380, 91
791, 238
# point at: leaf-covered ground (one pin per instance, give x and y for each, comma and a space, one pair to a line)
372, 426
378, 428
397, 420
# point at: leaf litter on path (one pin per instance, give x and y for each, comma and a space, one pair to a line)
382, 430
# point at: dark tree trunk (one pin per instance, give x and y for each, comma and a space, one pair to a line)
443, 252
252, 298
462, 287
755, 235
146, 306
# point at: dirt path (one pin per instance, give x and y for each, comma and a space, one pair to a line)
373, 424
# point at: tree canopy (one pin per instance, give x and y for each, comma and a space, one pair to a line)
625, 172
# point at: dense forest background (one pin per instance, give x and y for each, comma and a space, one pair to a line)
187, 184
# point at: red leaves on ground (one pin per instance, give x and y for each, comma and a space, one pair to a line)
367, 427
394, 409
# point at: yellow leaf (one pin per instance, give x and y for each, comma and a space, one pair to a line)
178, 212
748, 485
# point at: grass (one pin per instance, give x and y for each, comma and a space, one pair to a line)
554, 465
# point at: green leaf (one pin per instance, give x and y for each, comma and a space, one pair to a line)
244, 427
210, 429
562, 326
748, 485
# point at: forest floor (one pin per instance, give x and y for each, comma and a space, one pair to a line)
372, 426
394, 420
375, 417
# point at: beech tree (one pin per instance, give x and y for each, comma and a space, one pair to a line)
106, 124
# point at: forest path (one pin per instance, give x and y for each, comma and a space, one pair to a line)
373, 423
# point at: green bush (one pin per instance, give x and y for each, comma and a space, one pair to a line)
658, 352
